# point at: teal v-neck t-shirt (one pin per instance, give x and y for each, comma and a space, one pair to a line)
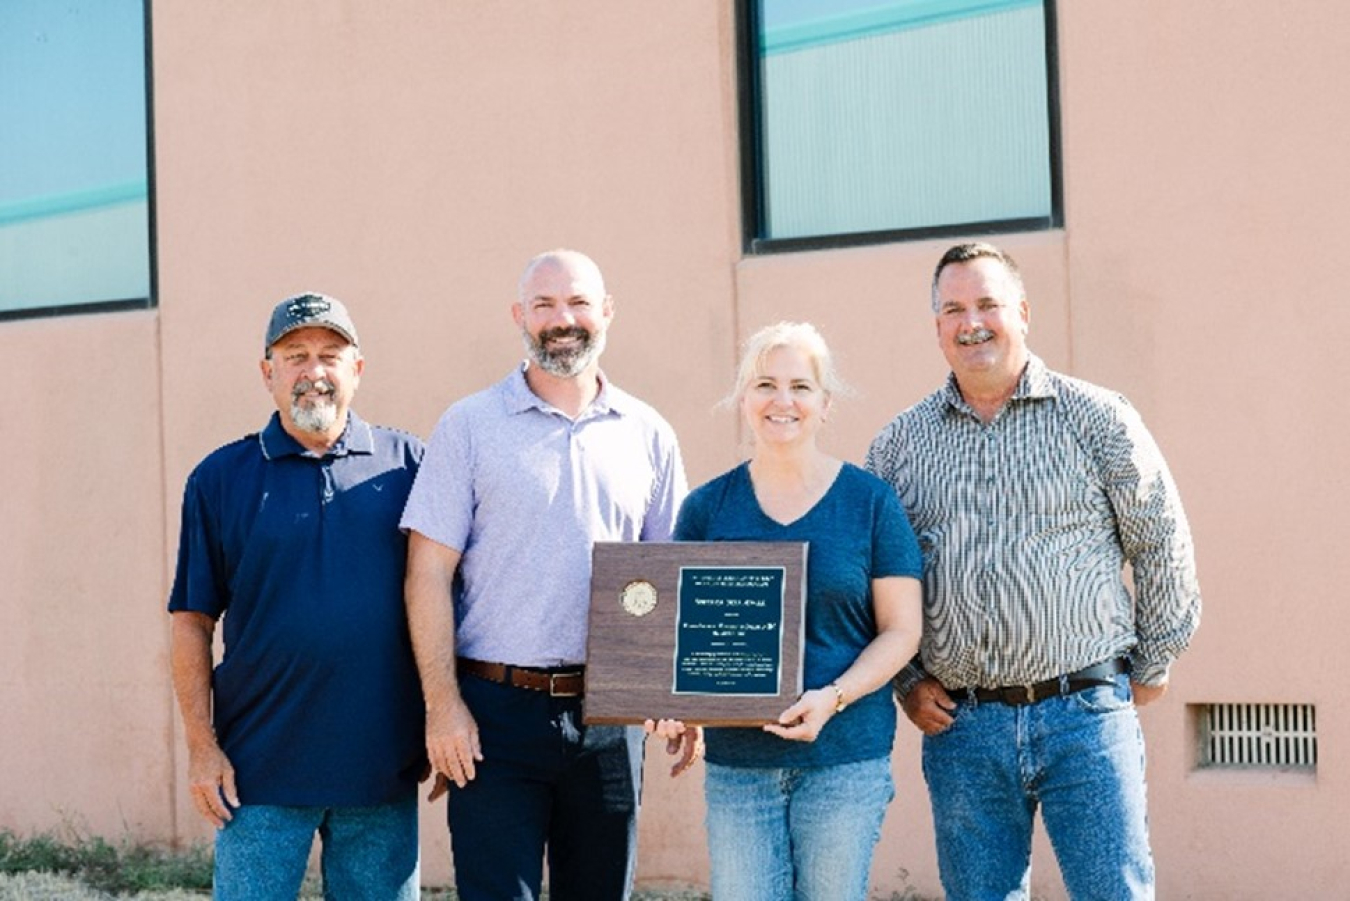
856, 533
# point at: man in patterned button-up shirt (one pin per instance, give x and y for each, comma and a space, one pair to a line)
1029, 491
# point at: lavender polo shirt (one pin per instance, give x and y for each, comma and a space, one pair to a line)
522, 491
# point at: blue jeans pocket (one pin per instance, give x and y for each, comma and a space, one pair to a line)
1106, 698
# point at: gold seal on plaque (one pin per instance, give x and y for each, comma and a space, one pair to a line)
638, 597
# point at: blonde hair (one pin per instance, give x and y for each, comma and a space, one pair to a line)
800, 336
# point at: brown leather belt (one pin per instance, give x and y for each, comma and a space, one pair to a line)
1102, 673
566, 682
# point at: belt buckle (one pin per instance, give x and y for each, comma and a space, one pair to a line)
554, 691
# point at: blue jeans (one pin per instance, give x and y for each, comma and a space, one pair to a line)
805, 834
367, 853
1079, 758
547, 785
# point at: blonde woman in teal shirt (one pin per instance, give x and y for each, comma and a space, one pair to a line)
795, 808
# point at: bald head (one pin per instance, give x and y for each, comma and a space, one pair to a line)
581, 267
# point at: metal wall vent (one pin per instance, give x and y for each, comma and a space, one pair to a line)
1258, 736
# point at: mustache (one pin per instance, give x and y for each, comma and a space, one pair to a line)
304, 386
565, 331
975, 337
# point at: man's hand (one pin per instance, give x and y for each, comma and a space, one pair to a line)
686, 741
1147, 694
439, 786
211, 781
452, 735
929, 707
452, 742
210, 773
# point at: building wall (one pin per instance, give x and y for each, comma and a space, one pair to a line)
86, 733
410, 156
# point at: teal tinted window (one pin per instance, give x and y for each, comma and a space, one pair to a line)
74, 201
877, 118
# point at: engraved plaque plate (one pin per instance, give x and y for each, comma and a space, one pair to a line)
705, 632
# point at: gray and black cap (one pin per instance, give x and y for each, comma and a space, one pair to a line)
305, 310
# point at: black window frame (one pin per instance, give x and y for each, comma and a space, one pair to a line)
752, 162
151, 301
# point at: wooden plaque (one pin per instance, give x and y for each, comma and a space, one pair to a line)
704, 632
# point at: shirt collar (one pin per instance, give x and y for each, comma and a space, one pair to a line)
356, 438
1034, 383
520, 398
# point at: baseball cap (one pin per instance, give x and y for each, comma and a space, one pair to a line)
305, 310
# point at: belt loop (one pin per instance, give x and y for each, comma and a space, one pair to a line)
1064, 684
970, 697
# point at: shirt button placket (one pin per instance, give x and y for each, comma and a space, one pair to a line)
988, 509
328, 488
991, 486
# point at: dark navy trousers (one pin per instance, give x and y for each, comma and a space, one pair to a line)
548, 786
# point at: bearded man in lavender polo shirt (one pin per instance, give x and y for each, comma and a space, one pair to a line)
519, 480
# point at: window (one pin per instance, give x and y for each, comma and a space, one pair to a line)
75, 216
878, 120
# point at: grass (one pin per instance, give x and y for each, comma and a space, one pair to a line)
73, 867
68, 866
125, 868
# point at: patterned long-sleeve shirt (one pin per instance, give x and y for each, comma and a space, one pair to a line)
1026, 523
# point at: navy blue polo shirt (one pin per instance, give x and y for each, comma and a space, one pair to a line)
317, 700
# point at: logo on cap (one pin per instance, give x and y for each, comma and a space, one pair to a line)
307, 306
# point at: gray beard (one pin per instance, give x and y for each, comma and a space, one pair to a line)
564, 364
318, 418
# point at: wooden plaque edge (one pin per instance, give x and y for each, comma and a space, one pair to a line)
630, 658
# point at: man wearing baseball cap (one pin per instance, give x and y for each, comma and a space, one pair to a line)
313, 719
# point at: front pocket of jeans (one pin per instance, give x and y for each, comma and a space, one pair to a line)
1105, 698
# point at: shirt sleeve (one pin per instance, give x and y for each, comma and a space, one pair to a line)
1156, 540
200, 582
440, 504
880, 453
909, 676
669, 492
895, 549
692, 523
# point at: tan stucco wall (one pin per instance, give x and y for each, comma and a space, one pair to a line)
409, 156
86, 725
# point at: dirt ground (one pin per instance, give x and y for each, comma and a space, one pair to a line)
50, 887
